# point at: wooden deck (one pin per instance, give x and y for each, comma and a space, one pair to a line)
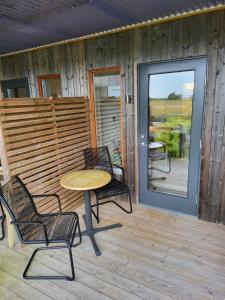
155, 255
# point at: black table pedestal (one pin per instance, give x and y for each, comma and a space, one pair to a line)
90, 230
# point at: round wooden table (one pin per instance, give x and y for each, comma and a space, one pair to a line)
87, 180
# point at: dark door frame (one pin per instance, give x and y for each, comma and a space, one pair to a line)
188, 205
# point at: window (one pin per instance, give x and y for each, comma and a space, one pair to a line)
15, 88
49, 86
106, 104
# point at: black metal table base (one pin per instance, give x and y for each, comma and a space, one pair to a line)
91, 232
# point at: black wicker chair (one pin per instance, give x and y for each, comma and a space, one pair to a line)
35, 228
99, 158
2, 219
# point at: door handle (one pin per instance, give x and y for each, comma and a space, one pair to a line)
143, 143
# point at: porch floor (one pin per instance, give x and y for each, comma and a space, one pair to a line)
155, 255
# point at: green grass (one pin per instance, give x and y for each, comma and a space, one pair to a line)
175, 117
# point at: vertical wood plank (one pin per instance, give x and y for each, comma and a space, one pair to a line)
213, 29
6, 177
218, 129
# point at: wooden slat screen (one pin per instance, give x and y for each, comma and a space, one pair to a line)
44, 139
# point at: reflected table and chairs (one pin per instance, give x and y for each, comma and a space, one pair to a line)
170, 119
158, 152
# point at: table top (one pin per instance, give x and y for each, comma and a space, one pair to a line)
85, 180
155, 145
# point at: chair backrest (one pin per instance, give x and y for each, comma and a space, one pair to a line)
18, 202
98, 158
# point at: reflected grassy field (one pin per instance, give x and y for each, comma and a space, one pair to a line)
170, 122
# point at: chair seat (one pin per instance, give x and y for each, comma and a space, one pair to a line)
114, 188
158, 155
59, 227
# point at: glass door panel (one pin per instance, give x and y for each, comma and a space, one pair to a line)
108, 113
170, 120
171, 97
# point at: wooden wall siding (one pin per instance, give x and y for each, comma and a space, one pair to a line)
44, 139
65, 60
117, 50
193, 36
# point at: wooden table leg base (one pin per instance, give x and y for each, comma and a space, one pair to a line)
91, 232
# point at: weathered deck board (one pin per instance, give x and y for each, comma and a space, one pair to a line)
155, 255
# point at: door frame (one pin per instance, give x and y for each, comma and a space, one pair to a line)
91, 74
201, 63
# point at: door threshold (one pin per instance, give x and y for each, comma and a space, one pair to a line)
167, 211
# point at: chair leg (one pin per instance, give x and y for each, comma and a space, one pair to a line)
2, 226
96, 214
164, 171
2, 218
128, 211
45, 277
79, 234
169, 159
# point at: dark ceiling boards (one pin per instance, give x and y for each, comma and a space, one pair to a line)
26, 24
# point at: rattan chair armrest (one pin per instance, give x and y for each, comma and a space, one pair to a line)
33, 223
49, 195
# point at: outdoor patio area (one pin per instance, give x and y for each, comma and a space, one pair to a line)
155, 255
112, 150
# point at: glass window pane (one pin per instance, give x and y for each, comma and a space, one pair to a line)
170, 116
17, 92
11, 93
51, 87
21, 92
107, 113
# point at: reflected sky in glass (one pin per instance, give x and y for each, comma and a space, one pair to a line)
180, 83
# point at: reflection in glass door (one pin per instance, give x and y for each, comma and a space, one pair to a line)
170, 121
106, 111
170, 118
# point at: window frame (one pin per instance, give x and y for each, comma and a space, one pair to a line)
106, 71
42, 77
14, 83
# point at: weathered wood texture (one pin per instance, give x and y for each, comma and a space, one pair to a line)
189, 37
44, 139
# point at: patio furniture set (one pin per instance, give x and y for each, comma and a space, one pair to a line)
62, 229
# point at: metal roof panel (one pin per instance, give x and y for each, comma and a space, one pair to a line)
25, 24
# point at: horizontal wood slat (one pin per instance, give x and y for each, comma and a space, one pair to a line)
43, 139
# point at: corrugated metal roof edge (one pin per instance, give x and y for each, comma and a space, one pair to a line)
123, 28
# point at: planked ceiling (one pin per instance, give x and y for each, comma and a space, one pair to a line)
26, 24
